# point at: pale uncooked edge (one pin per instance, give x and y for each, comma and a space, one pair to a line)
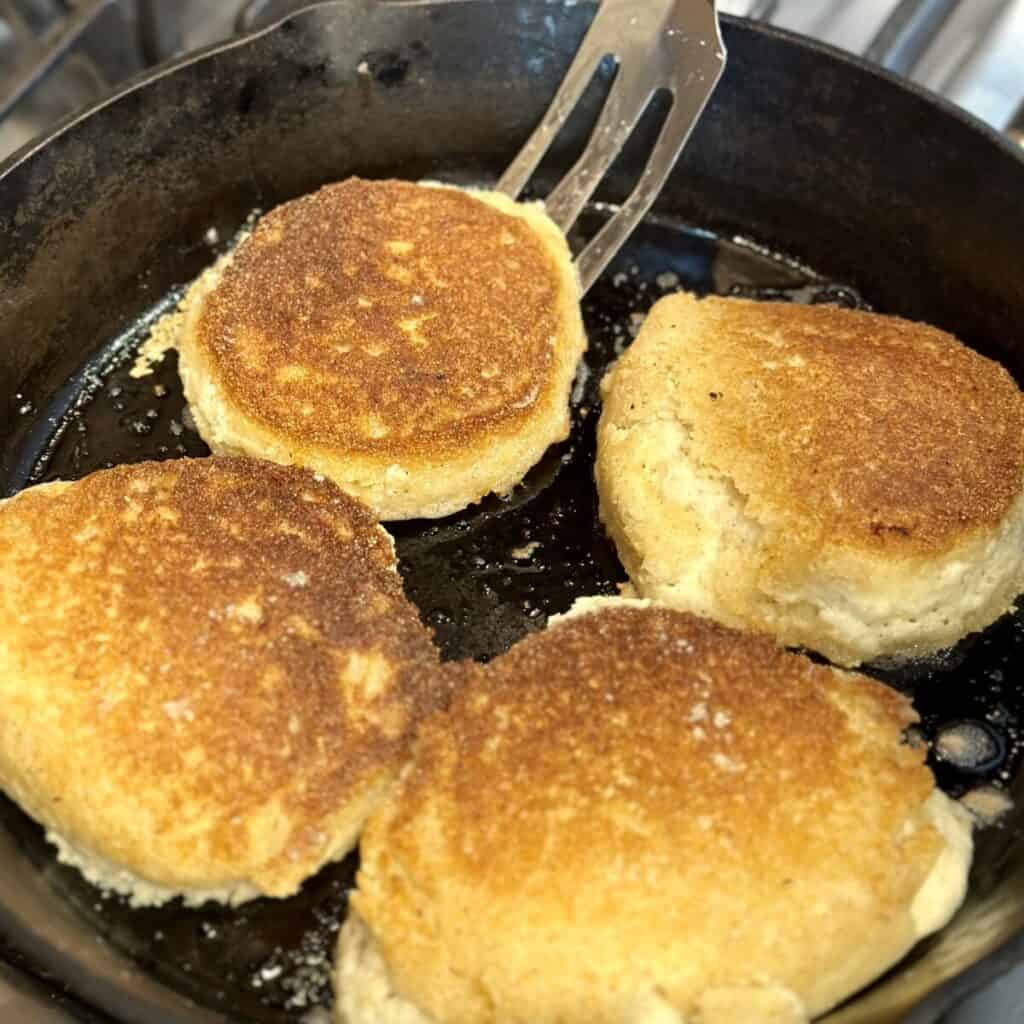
945, 888
363, 991
986, 569
140, 892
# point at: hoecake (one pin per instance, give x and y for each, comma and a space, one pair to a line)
417, 344
642, 816
209, 674
848, 482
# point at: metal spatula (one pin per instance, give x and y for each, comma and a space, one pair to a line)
675, 45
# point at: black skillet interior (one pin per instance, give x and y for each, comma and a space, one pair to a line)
804, 160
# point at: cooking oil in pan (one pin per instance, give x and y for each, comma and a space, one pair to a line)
481, 579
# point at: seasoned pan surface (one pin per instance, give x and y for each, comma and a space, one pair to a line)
487, 576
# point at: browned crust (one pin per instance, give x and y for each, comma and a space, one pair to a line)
858, 427
610, 695
304, 331
628, 798
215, 637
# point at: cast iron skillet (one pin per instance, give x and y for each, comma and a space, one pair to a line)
805, 159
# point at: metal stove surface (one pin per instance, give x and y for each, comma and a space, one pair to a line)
968, 50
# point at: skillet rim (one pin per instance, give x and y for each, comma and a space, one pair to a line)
941, 104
